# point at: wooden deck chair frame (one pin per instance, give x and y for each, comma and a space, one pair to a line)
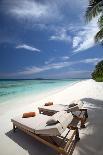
82, 116
61, 150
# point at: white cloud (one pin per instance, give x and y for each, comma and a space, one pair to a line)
65, 57
38, 12
27, 47
43, 11
76, 41
44, 14
58, 65
72, 73
81, 35
84, 37
61, 35
57, 59
49, 61
34, 69
93, 60
28, 9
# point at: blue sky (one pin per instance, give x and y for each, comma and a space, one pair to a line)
47, 39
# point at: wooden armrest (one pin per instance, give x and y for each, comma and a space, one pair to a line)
83, 109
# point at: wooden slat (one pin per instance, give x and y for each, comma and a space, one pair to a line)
70, 140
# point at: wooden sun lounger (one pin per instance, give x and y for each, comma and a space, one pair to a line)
63, 147
59, 136
79, 114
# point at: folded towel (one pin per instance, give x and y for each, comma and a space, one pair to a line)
29, 114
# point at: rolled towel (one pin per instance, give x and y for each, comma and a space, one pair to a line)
28, 114
49, 103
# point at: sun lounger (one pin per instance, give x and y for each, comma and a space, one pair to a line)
76, 108
59, 135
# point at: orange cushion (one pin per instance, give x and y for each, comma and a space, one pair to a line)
29, 114
49, 103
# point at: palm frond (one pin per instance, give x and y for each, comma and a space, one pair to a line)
100, 22
94, 9
99, 36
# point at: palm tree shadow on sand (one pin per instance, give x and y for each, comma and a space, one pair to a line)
92, 136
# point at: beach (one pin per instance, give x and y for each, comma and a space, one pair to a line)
89, 91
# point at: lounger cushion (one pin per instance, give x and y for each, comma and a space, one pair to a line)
32, 122
38, 125
64, 118
29, 114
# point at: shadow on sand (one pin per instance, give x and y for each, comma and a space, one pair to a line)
33, 146
28, 143
92, 136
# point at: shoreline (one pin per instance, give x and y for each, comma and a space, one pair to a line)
31, 98
89, 91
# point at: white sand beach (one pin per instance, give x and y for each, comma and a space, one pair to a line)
91, 137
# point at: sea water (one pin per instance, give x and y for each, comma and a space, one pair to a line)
15, 88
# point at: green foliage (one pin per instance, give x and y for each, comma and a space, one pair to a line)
97, 74
95, 8
99, 36
100, 22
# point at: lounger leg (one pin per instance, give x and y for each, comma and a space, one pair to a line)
14, 128
86, 113
77, 138
82, 123
82, 120
39, 111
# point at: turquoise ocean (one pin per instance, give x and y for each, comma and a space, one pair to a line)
10, 89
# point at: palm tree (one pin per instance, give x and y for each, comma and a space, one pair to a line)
97, 74
95, 8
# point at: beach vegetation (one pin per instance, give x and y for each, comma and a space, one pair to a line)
95, 9
97, 74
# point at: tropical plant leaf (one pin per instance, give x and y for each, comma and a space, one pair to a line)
100, 22
94, 9
99, 36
